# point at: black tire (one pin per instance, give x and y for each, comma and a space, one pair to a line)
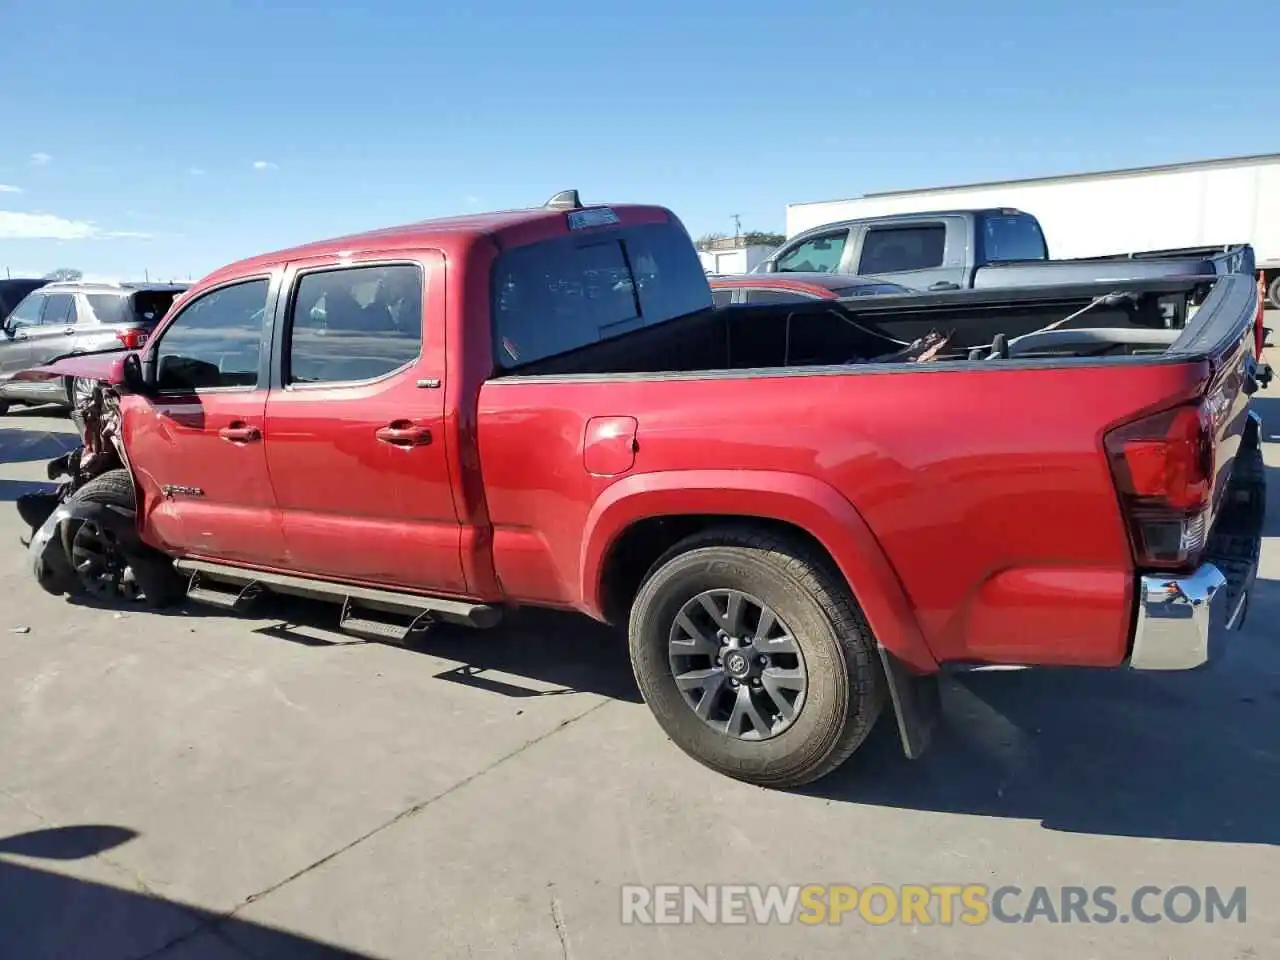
4, 406
1273, 292
153, 572
846, 687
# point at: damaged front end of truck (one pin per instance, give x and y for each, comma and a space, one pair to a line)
79, 543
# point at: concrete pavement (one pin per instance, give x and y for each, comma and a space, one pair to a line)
189, 785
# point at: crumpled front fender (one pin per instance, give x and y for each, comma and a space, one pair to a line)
49, 561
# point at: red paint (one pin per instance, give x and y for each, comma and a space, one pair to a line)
972, 512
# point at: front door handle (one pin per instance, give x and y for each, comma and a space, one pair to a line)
19, 335
69, 330
404, 433
944, 285
239, 432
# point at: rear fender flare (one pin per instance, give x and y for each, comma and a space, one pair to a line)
802, 501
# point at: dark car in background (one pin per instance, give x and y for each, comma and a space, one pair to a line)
13, 289
780, 288
67, 317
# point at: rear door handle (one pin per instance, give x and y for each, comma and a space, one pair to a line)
944, 285
404, 433
240, 432
69, 330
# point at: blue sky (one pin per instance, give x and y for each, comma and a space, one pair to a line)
174, 137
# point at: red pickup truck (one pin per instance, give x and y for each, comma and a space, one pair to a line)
796, 519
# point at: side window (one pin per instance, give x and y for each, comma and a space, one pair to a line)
776, 296
27, 313
721, 298
355, 323
893, 249
818, 255
59, 310
215, 341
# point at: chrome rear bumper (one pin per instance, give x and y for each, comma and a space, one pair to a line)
1179, 618
1183, 617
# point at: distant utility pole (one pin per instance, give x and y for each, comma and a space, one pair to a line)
737, 226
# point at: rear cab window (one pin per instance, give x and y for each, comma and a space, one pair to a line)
1011, 237
554, 296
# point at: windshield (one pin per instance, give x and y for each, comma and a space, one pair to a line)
559, 295
1012, 237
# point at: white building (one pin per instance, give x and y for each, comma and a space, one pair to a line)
731, 255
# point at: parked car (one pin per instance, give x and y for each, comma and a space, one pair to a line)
13, 289
786, 288
796, 521
69, 317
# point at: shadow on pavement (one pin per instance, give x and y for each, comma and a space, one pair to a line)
45, 915
11, 490
24, 446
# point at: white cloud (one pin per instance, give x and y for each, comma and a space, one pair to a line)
47, 226
264, 165
196, 171
9, 188
472, 201
43, 226
40, 159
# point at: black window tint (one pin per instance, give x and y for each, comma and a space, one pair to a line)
1012, 237
559, 295
776, 296
891, 249
215, 341
107, 307
148, 307
356, 323
818, 255
59, 310
27, 313
721, 298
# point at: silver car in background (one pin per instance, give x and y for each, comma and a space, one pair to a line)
74, 317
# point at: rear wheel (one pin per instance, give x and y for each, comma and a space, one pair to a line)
4, 406
105, 568
755, 658
1273, 292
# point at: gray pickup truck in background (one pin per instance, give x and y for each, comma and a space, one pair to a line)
979, 250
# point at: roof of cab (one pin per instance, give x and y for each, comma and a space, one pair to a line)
448, 233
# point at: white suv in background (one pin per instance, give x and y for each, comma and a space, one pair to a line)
74, 317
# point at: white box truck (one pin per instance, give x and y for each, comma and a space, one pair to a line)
1206, 203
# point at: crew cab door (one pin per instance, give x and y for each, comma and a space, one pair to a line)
927, 255
196, 444
356, 423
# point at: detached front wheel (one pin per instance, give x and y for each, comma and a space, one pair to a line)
755, 658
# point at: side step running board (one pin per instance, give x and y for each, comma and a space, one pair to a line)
218, 582
227, 596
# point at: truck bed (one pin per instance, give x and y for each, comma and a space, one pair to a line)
1149, 320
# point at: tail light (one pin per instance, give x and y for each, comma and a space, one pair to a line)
1163, 467
132, 339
